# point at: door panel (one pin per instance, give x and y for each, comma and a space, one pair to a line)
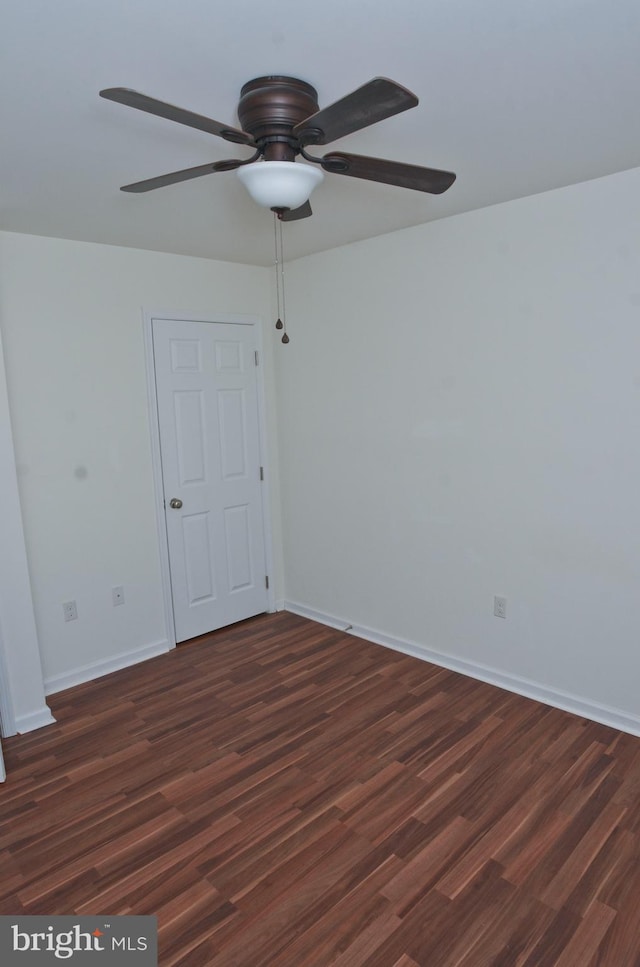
190, 439
209, 440
238, 533
196, 533
233, 443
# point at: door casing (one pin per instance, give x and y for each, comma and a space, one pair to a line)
228, 318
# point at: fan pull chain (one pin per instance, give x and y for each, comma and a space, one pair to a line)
279, 270
285, 337
279, 323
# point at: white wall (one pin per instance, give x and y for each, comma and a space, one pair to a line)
460, 417
71, 323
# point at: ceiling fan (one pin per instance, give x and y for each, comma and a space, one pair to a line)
280, 118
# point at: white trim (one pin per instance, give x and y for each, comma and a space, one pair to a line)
87, 673
265, 491
156, 462
20, 662
7, 714
34, 720
604, 714
238, 319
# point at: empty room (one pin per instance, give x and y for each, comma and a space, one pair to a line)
319, 412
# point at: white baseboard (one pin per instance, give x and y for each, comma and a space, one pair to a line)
615, 718
86, 673
34, 720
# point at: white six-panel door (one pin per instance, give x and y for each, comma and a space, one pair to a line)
209, 440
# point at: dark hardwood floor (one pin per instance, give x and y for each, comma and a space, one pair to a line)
286, 795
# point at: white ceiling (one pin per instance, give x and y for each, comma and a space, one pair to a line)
517, 98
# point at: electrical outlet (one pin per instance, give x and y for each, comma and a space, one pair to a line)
69, 611
117, 595
500, 606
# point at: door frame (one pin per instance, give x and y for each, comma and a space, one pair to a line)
236, 319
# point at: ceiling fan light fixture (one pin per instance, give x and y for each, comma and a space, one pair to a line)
280, 184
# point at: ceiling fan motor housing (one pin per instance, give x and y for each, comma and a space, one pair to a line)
270, 107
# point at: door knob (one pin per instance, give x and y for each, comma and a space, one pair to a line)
175, 503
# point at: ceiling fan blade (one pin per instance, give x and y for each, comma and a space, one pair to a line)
173, 177
388, 172
123, 95
293, 214
378, 99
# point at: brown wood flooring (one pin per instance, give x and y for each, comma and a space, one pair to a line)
286, 795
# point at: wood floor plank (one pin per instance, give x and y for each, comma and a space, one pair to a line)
587, 936
286, 795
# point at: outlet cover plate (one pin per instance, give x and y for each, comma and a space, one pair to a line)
70, 611
500, 606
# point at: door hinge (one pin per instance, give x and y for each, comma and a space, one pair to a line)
266, 581
261, 473
255, 356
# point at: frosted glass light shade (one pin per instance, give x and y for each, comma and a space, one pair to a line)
280, 184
